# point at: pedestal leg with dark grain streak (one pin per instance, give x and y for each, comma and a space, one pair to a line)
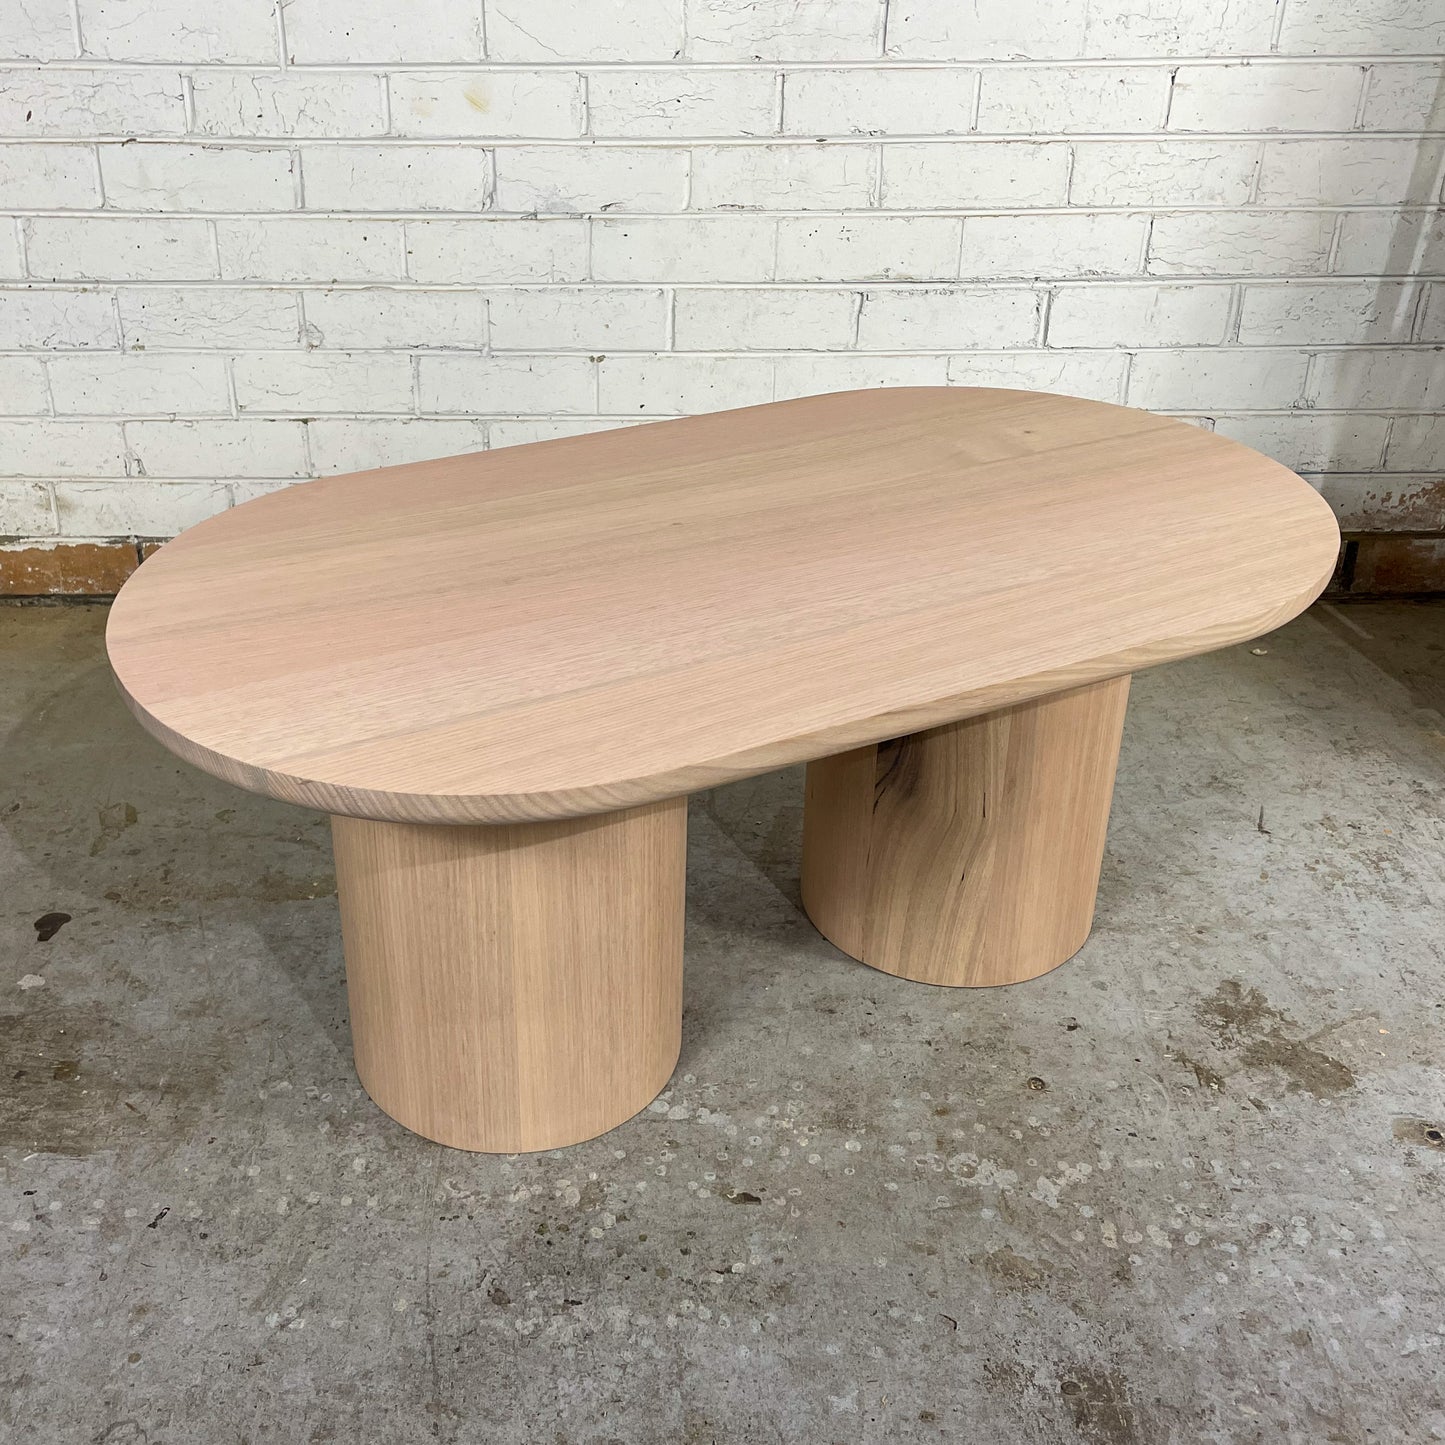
968, 854
516, 987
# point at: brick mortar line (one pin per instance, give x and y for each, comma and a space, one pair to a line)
1129, 208
817, 140
297, 417
75, 287
1261, 59
1141, 279
1026, 348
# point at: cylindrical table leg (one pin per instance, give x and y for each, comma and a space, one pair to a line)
968, 854
516, 987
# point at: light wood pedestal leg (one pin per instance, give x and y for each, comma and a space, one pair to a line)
968, 854
515, 987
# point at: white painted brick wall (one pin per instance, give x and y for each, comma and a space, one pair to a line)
683, 102
1250, 97
1022, 29
321, 32
38, 29
473, 385
352, 444
325, 381
308, 249
960, 317
396, 178
33, 320
487, 103
557, 180
105, 248
29, 508
250, 242
171, 317
755, 178
61, 449
496, 250
1140, 316
783, 29
967, 174
579, 318
879, 102
396, 320
867, 248
150, 177
234, 447
232, 103
49, 175
1099, 100
23, 388
545, 29
199, 31
92, 102
764, 319
94, 383
11, 264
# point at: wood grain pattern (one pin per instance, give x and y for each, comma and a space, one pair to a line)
518, 987
970, 854
593, 623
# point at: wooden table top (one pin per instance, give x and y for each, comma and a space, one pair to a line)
580, 625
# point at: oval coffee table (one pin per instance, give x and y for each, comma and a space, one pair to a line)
502, 674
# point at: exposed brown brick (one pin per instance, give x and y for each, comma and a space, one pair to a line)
1398, 566
1408, 506
68, 569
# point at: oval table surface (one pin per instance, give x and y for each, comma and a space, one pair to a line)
575, 626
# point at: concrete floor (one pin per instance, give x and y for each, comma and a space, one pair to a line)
1189, 1188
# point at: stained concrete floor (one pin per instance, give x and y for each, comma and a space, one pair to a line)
1189, 1188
